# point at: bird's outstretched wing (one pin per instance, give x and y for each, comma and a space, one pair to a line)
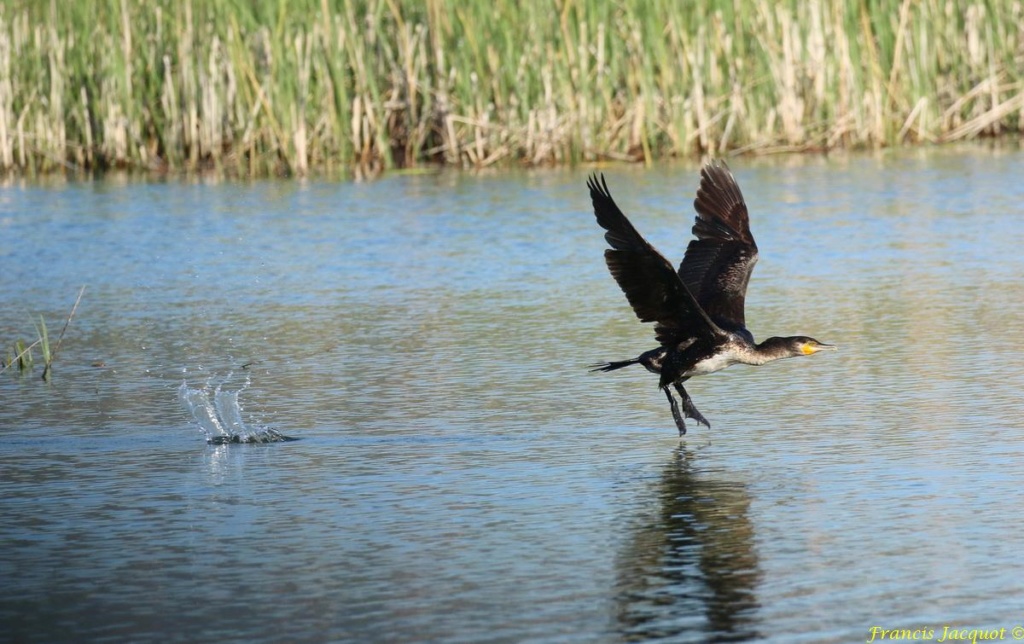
652, 286
718, 264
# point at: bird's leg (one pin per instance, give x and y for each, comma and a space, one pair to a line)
688, 408
680, 423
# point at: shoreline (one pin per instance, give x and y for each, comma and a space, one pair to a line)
990, 145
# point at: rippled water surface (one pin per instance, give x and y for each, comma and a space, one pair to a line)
460, 475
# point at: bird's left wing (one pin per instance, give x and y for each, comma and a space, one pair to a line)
718, 264
651, 284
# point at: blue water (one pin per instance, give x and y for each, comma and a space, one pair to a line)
460, 476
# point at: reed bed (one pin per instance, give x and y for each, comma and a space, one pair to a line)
270, 87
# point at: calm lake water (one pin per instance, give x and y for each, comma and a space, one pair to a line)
460, 476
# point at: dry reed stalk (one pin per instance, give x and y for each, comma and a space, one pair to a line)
6, 101
986, 121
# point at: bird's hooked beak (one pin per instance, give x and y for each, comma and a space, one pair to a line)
810, 348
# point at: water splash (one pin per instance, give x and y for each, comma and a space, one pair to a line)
218, 414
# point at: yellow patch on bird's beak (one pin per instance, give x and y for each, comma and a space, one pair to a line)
808, 348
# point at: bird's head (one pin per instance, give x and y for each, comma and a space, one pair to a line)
804, 346
793, 346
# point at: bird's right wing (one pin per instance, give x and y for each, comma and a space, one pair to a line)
652, 286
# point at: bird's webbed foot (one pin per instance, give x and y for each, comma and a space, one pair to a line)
680, 423
689, 409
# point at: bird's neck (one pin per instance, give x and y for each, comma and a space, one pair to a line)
771, 350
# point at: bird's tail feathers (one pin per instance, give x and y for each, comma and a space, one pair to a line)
612, 366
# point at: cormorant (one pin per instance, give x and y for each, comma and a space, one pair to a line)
697, 310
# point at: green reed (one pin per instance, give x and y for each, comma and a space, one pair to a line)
273, 87
44, 347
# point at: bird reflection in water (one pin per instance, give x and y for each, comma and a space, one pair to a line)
691, 571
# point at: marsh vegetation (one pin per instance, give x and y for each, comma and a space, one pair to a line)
265, 87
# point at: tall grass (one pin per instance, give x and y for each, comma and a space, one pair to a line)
268, 86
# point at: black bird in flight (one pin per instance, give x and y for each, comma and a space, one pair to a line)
697, 310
